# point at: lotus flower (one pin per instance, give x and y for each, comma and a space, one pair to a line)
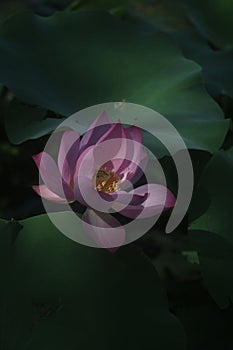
98, 170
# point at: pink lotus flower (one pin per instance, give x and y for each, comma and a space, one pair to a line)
97, 170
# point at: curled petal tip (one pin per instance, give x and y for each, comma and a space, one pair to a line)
103, 118
44, 192
170, 200
37, 158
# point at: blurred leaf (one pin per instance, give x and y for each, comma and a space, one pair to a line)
113, 6
191, 257
217, 65
15, 309
166, 15
217, 71
213, 19
217, 181
200, 203
208, 245
177, 18
23, 122
40, 7
218, 277
85, 297
47, 7
215, 249
206, 326
89, 58
216, 261
9, 8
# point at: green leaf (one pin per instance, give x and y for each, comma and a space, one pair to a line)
166, 15
217, 70
216, 261
84, 297
23, 122
113, 6
216, 65
213, 19
47, 7
191, 256
219, 279
215, 248
15, 309
217, 181
87, 58
206, 326
177, 20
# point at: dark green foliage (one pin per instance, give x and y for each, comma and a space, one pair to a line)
164, 291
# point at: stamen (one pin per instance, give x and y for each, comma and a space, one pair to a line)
72, 183
106, 181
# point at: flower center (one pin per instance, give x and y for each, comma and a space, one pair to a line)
106, 181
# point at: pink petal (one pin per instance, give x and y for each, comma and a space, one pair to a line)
102, 119
83, 175
137, 171
110, 197
130, 198
104, 229
159, 199
134, 164
94, 158
51, 176
114, 144
158, 194
44, 192
111, 149
84, 178
134, 133
133, 150
134, 159
116, 131
68, 154
140, 156
97, 129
